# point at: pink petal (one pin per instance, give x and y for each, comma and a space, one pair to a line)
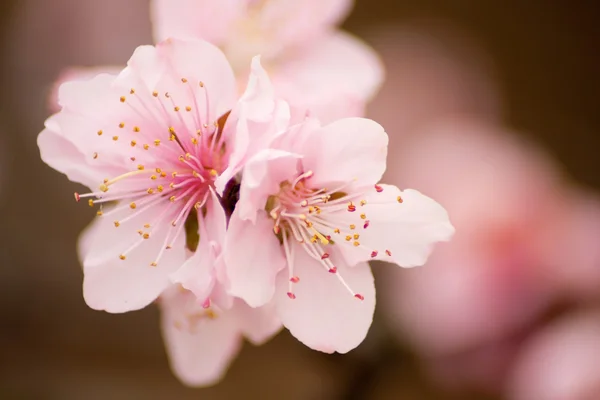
252, 256
360, 152
258, 324
403, 233
60, 154
325, 316
116, 285
262, 176
334, 78
198, 273
253, 123
200, 348
77, 74
203, 19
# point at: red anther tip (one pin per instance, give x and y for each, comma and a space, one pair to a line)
294, 279
333, 270
77, 197
366, 225
291, 295
389, 253
325, 255
359, 296
351, 208
374, 254
378, 188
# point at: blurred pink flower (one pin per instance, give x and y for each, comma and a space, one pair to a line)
316, 198
560, 362
314, 67
202, 341
487, 284
161, 131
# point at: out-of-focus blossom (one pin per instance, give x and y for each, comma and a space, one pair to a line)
487, 283
319, 70
201, 342
560, 362
152, 140
309, 218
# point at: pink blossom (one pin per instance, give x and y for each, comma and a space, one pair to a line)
487, 284
150, 142
560, 362
310, 214
202, 341
314, 67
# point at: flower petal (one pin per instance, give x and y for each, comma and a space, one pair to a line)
360, 152
262, 176
252, 256
333, 78
200, 344
255, 121
325, 316
116, 285
258, 324
204, 19
403, 233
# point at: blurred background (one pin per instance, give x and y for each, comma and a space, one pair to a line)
491, 109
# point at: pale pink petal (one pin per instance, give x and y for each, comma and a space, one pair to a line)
200, 343
203, 19
331, 79
252, 256
561, 362
257, 324
116, 285
324, 315
262, 176
254, 122
77, 74
60, 154
403, 227
198, 273
350, 149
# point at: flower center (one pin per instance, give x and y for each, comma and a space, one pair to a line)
173, 173
306, 216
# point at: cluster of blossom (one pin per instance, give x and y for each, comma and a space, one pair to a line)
221, 196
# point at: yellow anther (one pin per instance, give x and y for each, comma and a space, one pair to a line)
117, 224
99, 213
163, 174
336, 230
172, 199
153, 264
176, 108
115, 138
132, 91
188, 108
213, 173
136, 128
171, 129
146, 235
172, 185
356, 236
363, 202
201, 84
156, 142
183, 80
153, 177
132, 205
147, 226
399, 199
356, 244
155, 93
195, 141
100, 133
122, 125
363, 216
174, 174
352, 226
122, 257
146, 146
133, 143
91, 203
348, 238
140, 167
160, 188
150, 191
95, 155
122, 99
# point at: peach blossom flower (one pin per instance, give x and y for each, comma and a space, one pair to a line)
152, 140
310, 214
314, 67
